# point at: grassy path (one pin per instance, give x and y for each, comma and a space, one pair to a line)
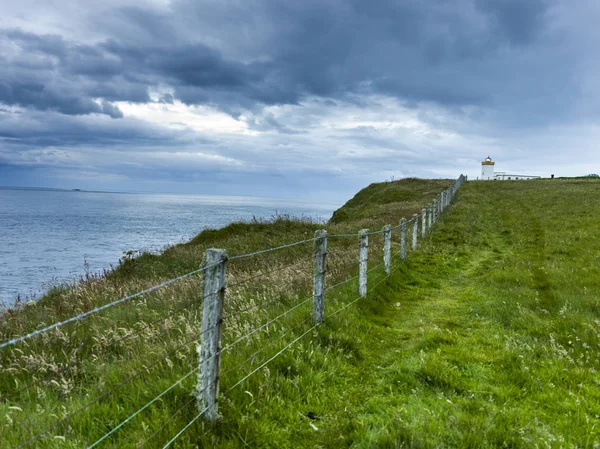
488, 337
500, 327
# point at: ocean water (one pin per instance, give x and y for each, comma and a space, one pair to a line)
48, 237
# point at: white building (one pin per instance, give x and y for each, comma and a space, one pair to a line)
487, 169
488, 174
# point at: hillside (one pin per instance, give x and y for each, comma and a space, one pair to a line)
384, 203
69, 387
487, 336
496, 343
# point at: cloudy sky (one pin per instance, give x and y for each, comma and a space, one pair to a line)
310, 99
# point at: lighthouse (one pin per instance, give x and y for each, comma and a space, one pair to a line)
487, 169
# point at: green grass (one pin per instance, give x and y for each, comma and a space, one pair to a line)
494, 342
385, 203
488, 336
96, 373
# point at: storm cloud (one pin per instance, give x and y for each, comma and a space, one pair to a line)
261, 88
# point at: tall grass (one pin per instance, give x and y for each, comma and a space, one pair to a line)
75, 384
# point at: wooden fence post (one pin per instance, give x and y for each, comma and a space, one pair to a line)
430, 217
415, 228
403, 238
210, 338
443, 202
423, 222
320, 268
363, 242
387, 247
435, 211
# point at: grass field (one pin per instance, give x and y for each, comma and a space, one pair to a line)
488, 336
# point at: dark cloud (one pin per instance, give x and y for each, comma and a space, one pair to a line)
414, 50
47, 95
49, 74
519, 21
44, 129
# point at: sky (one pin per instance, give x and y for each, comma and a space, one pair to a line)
309, 99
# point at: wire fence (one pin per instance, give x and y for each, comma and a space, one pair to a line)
85, 381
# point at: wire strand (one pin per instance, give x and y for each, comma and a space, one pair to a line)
141, 409
188, 425
344, 307
236, 313
272, 358
105, 394
344, 235
293, 342
97, 309
375, 267
263, 274
62, 368
289, 245
172, 417
273, 342
342, 283
149, 325
249, 334
83, 315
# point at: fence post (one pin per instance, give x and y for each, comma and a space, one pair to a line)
319, 272
415, 221
443, 202
210, 337
430, 217
403, 238
423, 222
435, 210
363, 242
387, 247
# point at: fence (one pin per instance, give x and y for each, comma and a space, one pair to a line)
321, 276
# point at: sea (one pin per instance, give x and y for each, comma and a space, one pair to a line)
49, 237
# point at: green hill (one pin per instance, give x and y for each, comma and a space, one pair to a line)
72, 385
487, 336
387, 202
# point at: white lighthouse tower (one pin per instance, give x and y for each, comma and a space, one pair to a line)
487, 169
